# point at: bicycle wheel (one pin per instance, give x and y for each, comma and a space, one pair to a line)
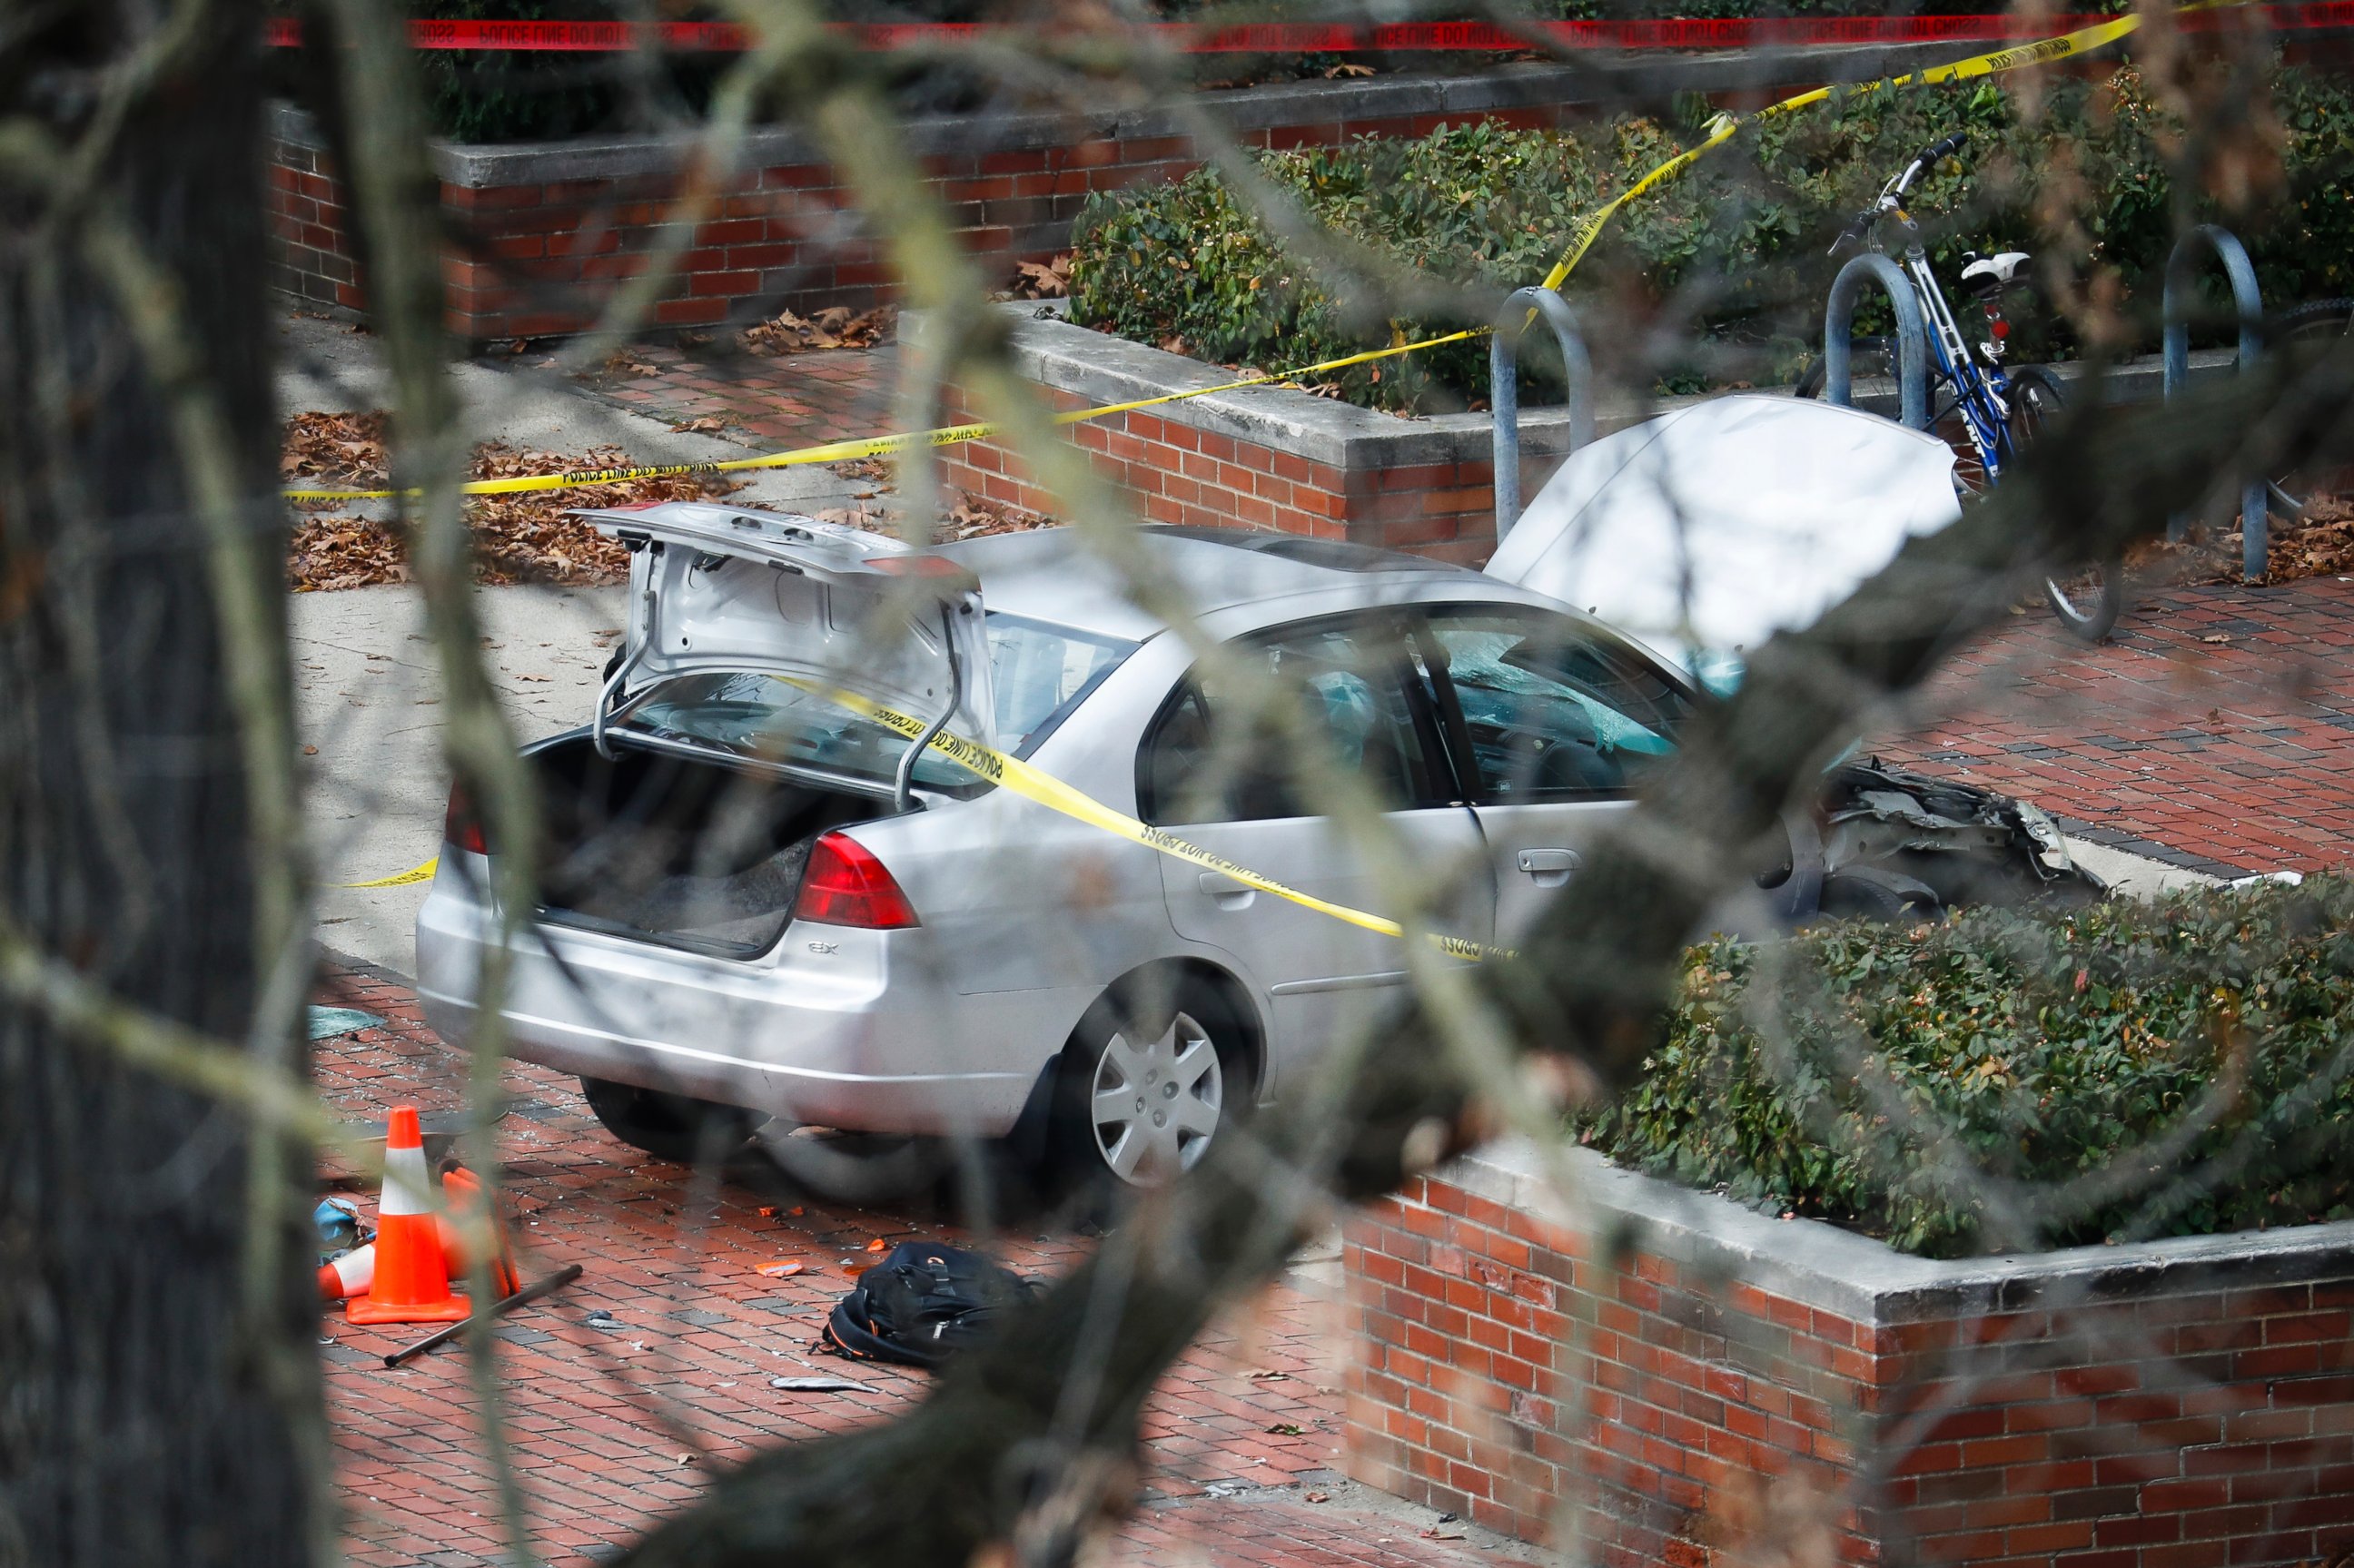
1874, 359
2317, 320
2086, 598
1869, 359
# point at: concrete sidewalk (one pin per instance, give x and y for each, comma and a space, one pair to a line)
368, 694
331, 366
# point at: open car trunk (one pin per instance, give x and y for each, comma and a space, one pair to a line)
687, 814
678, 850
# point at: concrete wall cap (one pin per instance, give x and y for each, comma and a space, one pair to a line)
1866, 1281
1598, 81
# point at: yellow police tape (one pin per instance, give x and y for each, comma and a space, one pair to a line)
1722, 129
995, 766
401, 878
878, 446
1580, 240
1032, 784
1049, 791
1582, 237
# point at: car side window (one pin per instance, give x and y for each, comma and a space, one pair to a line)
1210, 757
1552, 713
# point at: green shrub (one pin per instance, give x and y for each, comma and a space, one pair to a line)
1735, 248
1931, 1085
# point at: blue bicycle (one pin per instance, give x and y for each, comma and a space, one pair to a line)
1986, 413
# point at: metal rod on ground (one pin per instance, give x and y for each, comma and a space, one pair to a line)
523, 1297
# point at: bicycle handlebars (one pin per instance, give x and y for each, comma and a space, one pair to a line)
1938, 151
1928, 158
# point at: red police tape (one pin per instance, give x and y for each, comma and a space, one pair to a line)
1321, 38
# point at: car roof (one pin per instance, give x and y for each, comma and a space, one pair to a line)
1048, 574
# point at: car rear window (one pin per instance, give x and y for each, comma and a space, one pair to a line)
1039, 672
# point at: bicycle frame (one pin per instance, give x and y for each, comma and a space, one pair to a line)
1981, 393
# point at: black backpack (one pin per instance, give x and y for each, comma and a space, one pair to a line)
922, 1302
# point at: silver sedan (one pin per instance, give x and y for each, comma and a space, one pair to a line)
760, 905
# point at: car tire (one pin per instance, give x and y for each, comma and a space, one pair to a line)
1150, 1078
1863, 893
856, 1169
667, 1126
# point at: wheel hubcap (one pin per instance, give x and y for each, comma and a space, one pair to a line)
1156, 1103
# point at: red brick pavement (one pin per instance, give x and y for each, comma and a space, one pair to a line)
613, 1424
791, 400
2215, 731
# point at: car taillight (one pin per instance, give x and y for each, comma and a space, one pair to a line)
460, 828
844, 885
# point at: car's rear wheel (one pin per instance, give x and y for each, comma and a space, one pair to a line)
856, 1168
1148, 1083
668, 1126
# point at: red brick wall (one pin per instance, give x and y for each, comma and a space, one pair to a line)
537, 260
1512, 1377
1174, 472
311, 257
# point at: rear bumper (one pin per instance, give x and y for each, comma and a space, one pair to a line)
831, 1039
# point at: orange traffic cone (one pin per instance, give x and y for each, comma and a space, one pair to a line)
352, 1274
464, 1190
412, 1279
349, 1274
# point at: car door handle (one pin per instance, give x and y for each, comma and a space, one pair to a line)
1549, 867
1229, 893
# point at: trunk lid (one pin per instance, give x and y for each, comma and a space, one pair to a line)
716, 591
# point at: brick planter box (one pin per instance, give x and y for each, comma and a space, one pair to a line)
540, 232
1646, 1374
1261, 459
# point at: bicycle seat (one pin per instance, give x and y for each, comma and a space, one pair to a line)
1996, 274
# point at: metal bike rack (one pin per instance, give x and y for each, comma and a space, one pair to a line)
1523, 306
1911, 337
2249, 301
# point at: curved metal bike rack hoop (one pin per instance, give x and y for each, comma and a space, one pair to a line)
1911, 337
2249, 301
1504, 390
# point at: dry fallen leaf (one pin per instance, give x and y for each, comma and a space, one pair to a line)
517, 538
833, 327
1044, 280
2319, 544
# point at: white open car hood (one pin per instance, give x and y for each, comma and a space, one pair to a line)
716, 589
1707, 530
